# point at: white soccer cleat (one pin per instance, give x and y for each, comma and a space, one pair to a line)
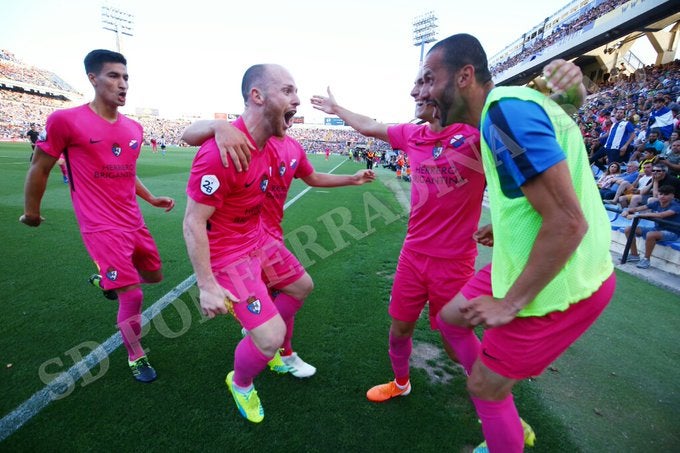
298, 367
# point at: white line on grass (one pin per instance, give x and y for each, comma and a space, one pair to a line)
29, 408
296, 197
11, 422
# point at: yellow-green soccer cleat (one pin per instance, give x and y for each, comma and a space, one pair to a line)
529, 438
248, 404
142, 369
277, 365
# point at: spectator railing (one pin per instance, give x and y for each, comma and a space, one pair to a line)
633, 227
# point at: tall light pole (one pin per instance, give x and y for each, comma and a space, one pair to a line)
117, 21
424, 31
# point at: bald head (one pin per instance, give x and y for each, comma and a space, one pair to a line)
259, 76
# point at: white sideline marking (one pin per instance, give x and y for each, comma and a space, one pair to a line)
296, 197
11, 422
29, 408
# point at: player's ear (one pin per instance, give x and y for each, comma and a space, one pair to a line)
257, 95
92, 77
465, 75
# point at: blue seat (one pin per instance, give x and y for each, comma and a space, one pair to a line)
674, 245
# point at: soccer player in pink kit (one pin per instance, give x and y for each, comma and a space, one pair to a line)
223, 229
439, 251
552, 273
101, 147
282, 272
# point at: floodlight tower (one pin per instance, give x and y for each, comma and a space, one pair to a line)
117, 21
424, 31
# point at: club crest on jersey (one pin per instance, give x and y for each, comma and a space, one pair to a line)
254, 305
437, 150
457, 141
282, 168
116, 149
111, 274
209, 184
133, 144
264, 183
293, 163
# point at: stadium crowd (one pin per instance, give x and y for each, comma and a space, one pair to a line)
14, 69
534, 48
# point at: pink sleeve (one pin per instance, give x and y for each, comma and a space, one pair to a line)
398, 136
209, 182
58, 131
305, 167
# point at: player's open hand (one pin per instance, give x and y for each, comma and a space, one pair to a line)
487, 312
234, 144
31, 220
323, 103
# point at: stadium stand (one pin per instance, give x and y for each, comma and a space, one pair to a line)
29, 95
573, 17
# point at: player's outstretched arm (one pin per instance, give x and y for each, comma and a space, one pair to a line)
230, 141
329, 180
159, 202
361, 123
34, 188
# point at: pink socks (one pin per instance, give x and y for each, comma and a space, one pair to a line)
501, 425
130, 321
248, 362
462, 340
400, 352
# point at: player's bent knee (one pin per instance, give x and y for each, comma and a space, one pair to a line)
301, 288
269, 336
487, 385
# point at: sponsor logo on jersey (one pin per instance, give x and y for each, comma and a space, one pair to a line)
209, 184
293, 163
133, 144
457, 141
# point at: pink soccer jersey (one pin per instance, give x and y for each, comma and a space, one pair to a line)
235, 226
289, 161
102, 163
446, 189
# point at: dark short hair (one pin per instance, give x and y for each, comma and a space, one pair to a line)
667, 189
94, 61
253, 76
463, 49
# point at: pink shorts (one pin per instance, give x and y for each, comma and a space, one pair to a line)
526, 346
421, 279
120, 255
280, 267
243, 278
